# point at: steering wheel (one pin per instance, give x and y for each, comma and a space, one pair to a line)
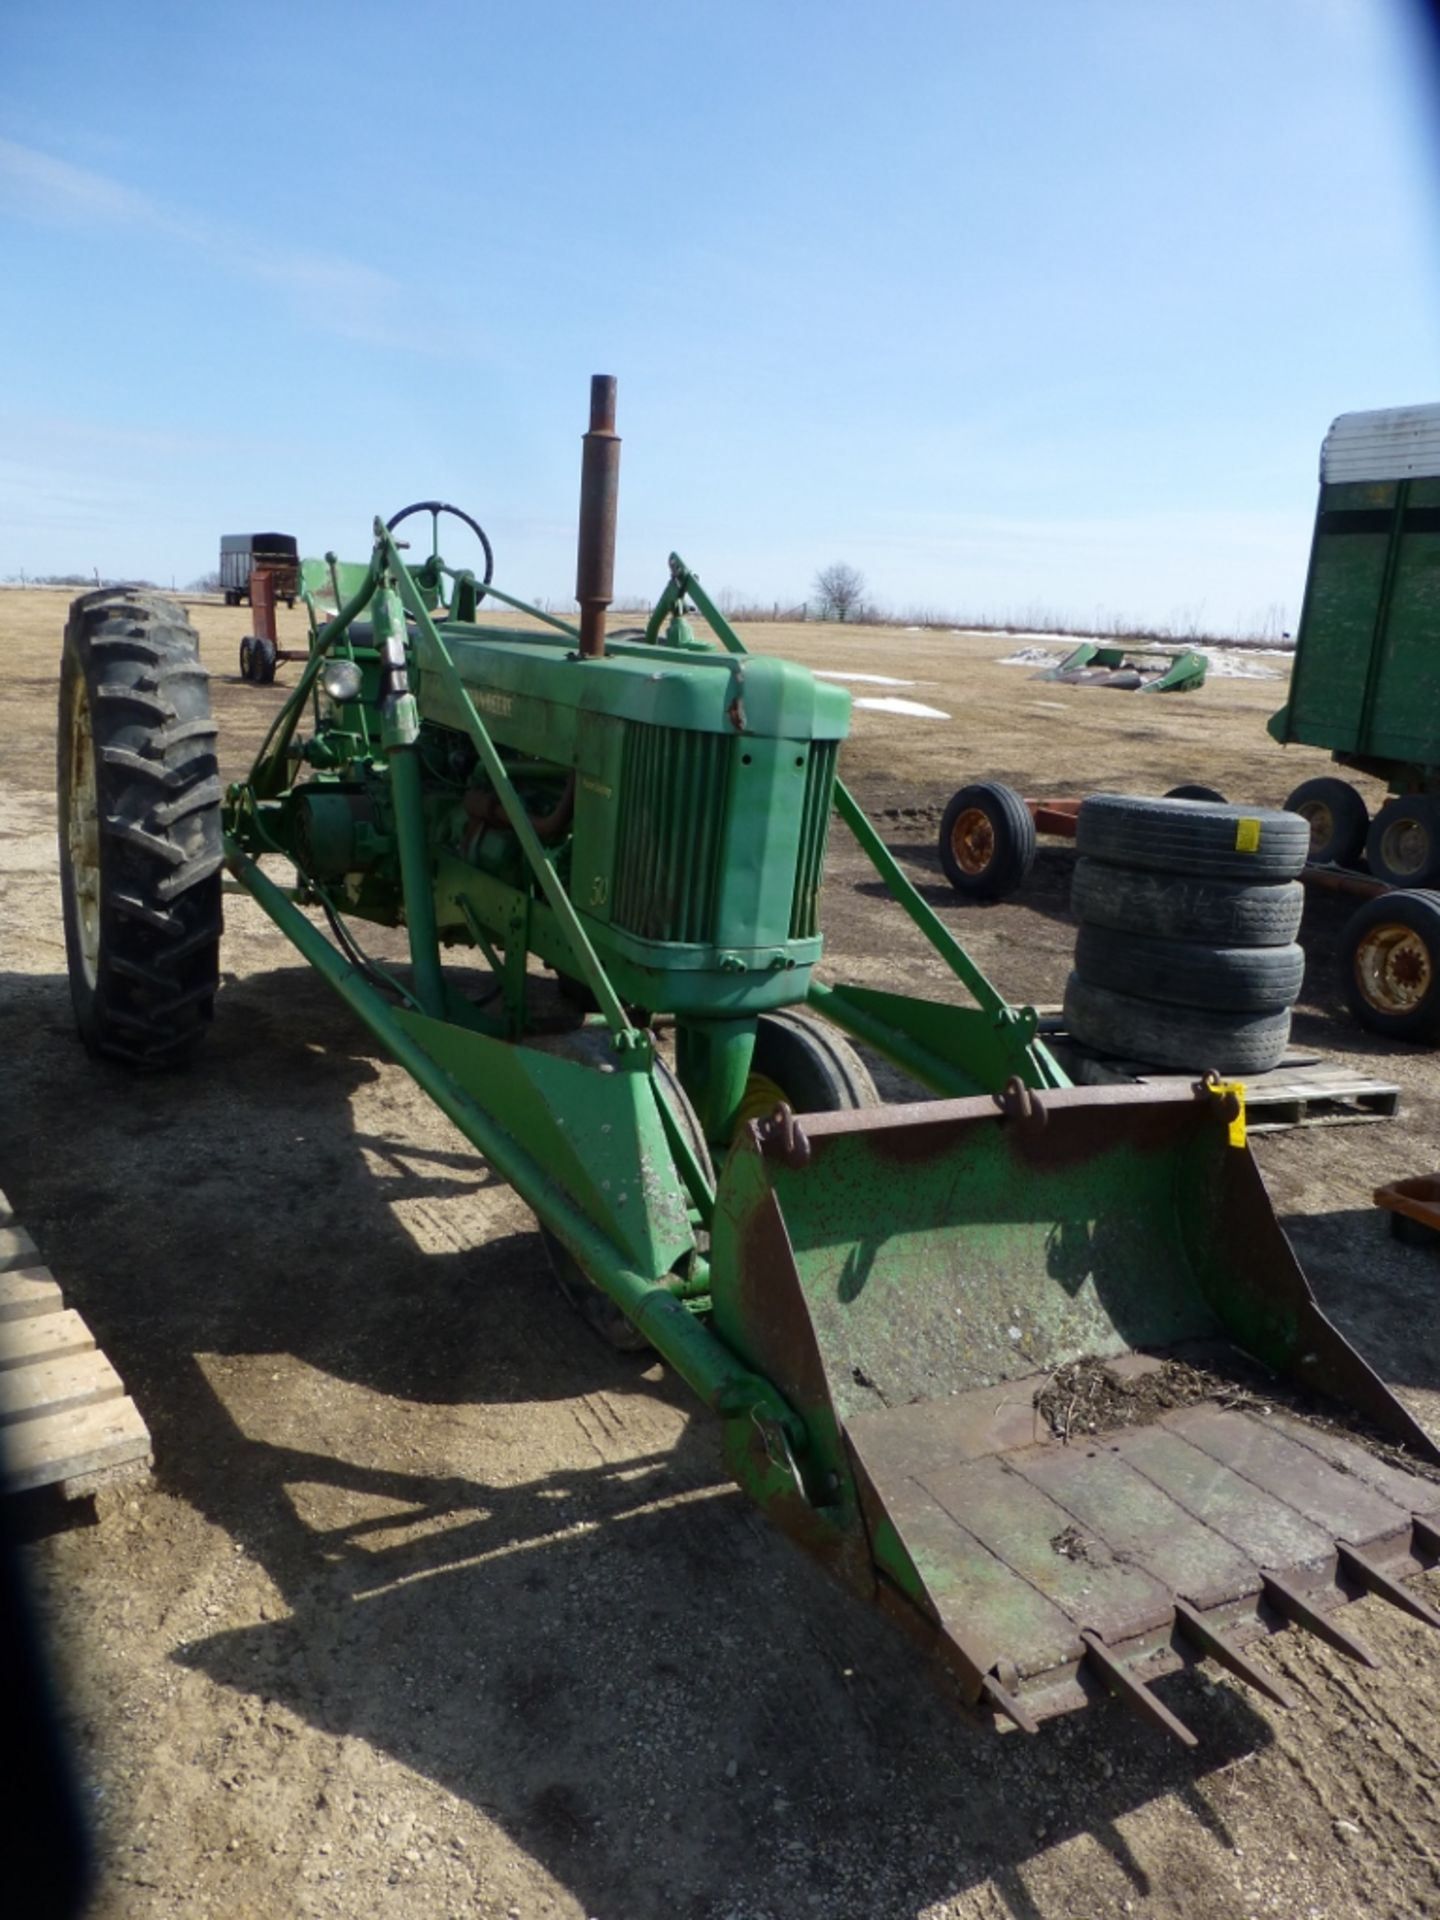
435, 565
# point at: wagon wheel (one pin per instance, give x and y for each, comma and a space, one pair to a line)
987, 841
434, 566
1390, 965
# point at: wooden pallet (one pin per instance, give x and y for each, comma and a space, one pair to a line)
1303, 1091
66, 1418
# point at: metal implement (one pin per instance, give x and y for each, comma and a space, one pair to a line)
1130, 669
885, 1307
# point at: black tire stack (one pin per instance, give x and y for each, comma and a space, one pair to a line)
1188, 910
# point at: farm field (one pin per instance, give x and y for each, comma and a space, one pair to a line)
438, 1607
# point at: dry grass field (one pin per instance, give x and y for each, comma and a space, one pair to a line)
438, 1608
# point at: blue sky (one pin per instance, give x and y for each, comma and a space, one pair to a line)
1015, 307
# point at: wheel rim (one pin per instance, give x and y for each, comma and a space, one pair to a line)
82, 833
1405, 846
1322, 823
972, 840
1393, 969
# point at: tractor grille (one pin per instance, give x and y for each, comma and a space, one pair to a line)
814, 835
672, 815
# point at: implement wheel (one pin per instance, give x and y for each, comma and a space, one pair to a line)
1339, 820
263, 657
1403, 844
140, 850
1390, 965
987, 841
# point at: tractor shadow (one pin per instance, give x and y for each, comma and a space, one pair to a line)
607, 1652
1378, 1291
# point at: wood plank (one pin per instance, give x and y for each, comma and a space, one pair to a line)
1303, 1091
50, 1386
84, 1441
17, 1249
26, 1291
46, 1336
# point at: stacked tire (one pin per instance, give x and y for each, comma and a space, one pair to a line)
1186, 956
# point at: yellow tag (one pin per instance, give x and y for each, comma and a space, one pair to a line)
1237, 1126
1247, 836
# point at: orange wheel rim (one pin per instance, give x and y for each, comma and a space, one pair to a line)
1393, 969
972, 840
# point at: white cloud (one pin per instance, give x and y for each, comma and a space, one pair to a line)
343, 296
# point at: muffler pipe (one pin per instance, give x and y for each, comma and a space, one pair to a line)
599, 501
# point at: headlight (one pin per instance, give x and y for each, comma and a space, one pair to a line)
341, 679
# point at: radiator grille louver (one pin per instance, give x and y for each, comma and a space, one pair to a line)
667, 866
814, 834
675, 786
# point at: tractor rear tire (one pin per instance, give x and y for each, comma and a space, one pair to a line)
1339, 820
1402, 847
1204, 842
1187, 1039
595, 1307
1171, 906
140, 836
1179, 973
1390, 965
987, 841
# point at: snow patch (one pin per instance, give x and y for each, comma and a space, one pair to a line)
1225, 665
1036, 657
911, 707
870, 679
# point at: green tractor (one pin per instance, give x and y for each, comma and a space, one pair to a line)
894, 1311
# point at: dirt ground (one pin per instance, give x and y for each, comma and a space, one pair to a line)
437, 1607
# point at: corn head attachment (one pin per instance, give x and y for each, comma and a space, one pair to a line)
979, 1354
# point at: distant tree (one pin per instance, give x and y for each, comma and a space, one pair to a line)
207, 583
840, 589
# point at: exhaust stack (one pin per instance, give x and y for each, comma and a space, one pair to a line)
599, 501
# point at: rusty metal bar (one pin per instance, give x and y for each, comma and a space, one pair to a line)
1296, 1608
1004, 1702
1134, 1692
1194, 1627
1375, 1580
599, 503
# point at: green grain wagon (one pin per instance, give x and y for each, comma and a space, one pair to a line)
1366, 680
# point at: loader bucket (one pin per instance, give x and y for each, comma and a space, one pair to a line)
1070, 1410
